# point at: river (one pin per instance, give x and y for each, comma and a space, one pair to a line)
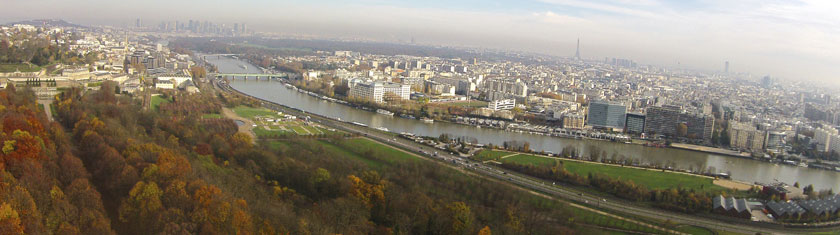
740, 169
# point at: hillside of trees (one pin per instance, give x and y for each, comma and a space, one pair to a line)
40, 50
108, 166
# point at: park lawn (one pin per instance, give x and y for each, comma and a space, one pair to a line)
299, 130
649, 178
157, 100
338, 151
328, 132
261, 132
313, 130
250, 113
652, 179
472, 104
527, 159
485, 155
8, 68
592, 218
694, 230
211, 115
278, 145
362, 145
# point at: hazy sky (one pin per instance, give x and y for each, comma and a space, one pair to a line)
790, 39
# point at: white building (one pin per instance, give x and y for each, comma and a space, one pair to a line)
164, 84
516, 87
376, 91
823, 138
175, 80
504, 104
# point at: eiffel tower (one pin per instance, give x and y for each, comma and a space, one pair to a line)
577, 52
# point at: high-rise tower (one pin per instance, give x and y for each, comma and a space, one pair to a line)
726, 67
577, 52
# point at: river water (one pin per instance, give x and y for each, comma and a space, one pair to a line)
740, 169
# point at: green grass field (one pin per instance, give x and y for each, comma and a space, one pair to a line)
250, 113
8, 68
263, 133
363, 145
157, 100
472, 103
596, 219
485, 155
338, 151
526, 159
651, 179
694, 230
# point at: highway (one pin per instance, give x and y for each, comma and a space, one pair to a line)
537, 185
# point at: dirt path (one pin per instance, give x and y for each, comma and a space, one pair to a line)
732, 184
507, 156
246, 128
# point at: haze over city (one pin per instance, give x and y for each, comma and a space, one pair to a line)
784, 39
419, 117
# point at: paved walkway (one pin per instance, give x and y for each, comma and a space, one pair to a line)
47, 108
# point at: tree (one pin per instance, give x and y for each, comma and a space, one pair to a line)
198, 72
9, 220
141, 210
682, 130
241, 140
460, 217
485, 231
724, 137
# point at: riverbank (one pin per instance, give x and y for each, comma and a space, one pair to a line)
649, 177
741, 169
706, 149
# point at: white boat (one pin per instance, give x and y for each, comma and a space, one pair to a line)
382, 129
243, 66
427, 120
384, 112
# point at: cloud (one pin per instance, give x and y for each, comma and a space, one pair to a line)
554, 18
610, 8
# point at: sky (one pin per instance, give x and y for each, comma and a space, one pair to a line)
795, 40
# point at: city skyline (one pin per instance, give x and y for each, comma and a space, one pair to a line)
791, 40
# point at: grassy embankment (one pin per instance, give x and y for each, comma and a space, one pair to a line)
279, 126
8, 68
157, 100
651, 179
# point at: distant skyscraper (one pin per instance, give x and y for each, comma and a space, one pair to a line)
766, 82
139, 23
726, 67
244, 28
577, 52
